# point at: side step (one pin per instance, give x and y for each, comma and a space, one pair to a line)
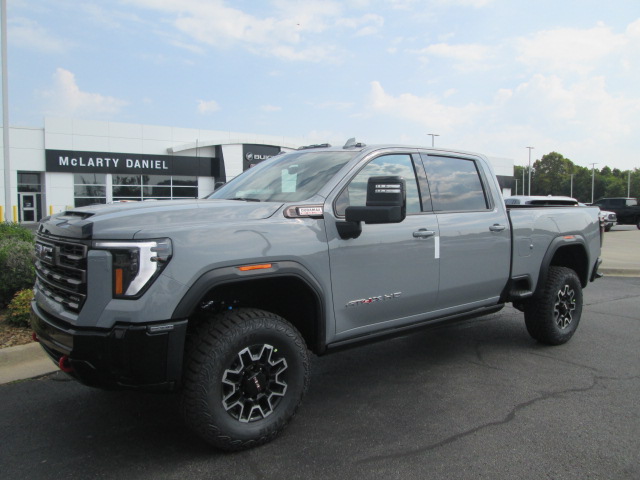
520, 294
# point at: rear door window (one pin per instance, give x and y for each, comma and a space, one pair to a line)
455, 184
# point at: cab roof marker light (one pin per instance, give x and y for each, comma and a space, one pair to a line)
317, 145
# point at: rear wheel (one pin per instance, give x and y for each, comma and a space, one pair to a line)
245, 374
552, 316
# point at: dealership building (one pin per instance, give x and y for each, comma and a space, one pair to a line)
71, 163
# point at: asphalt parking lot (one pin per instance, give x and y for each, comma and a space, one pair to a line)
474, 400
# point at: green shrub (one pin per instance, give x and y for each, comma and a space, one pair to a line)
15, 230
19, 310
16, 267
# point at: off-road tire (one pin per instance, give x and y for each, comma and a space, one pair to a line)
245, 374
552, 315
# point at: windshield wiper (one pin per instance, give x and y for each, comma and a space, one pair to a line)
246, 199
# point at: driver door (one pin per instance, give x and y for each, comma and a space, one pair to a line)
389, 275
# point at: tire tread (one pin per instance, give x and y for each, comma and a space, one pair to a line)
538, 312
203, 353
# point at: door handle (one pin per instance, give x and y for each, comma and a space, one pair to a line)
497, 228
424, 233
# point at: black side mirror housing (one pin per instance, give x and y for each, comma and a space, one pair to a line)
386, 202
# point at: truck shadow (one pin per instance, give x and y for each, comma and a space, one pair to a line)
371, 393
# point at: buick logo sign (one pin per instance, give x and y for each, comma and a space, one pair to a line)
256, 157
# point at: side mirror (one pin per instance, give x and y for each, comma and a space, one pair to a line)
386, 202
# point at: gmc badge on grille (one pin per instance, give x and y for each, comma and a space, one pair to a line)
45, 252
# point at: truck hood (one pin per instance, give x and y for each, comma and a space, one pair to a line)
124, 220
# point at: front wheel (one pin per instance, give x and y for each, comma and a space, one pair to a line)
245, 374
552, 316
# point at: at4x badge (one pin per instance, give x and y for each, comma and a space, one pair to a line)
366, 301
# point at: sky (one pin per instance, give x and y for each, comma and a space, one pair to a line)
489, 76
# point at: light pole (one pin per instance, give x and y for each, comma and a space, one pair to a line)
433, 135
593, 179
5, 116
571, 194
530, 148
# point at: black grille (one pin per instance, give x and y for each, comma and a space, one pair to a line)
61, 269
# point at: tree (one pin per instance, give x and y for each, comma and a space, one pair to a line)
551, 174
582, 184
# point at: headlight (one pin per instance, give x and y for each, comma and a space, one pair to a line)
135, 264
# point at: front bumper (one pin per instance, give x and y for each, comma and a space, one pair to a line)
130, 356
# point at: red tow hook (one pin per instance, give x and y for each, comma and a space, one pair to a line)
34, 336
65, 364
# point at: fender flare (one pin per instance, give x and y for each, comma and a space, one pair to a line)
557, 244
231, 274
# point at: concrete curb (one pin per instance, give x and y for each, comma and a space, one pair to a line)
24, 361
620, 272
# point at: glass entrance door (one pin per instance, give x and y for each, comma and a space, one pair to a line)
27, 207
29, 197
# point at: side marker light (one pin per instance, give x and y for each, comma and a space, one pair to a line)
262, 266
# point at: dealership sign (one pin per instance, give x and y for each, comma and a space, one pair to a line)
254, 154
130, 163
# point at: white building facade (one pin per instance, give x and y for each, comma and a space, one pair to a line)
71, 163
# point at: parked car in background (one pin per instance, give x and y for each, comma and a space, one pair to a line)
626, 209
607, 218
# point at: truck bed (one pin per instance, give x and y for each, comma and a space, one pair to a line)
537, 230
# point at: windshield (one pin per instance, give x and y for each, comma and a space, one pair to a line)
292, 177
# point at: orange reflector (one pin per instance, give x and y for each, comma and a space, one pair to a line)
261, 266
569, 237
118, 282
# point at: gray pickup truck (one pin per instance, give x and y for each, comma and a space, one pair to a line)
223, 298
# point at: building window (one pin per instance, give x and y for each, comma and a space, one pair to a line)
127, 187
29, 182
92, 188
184, 187
89, 188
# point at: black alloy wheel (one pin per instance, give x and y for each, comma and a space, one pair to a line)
553, 314
245, 374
